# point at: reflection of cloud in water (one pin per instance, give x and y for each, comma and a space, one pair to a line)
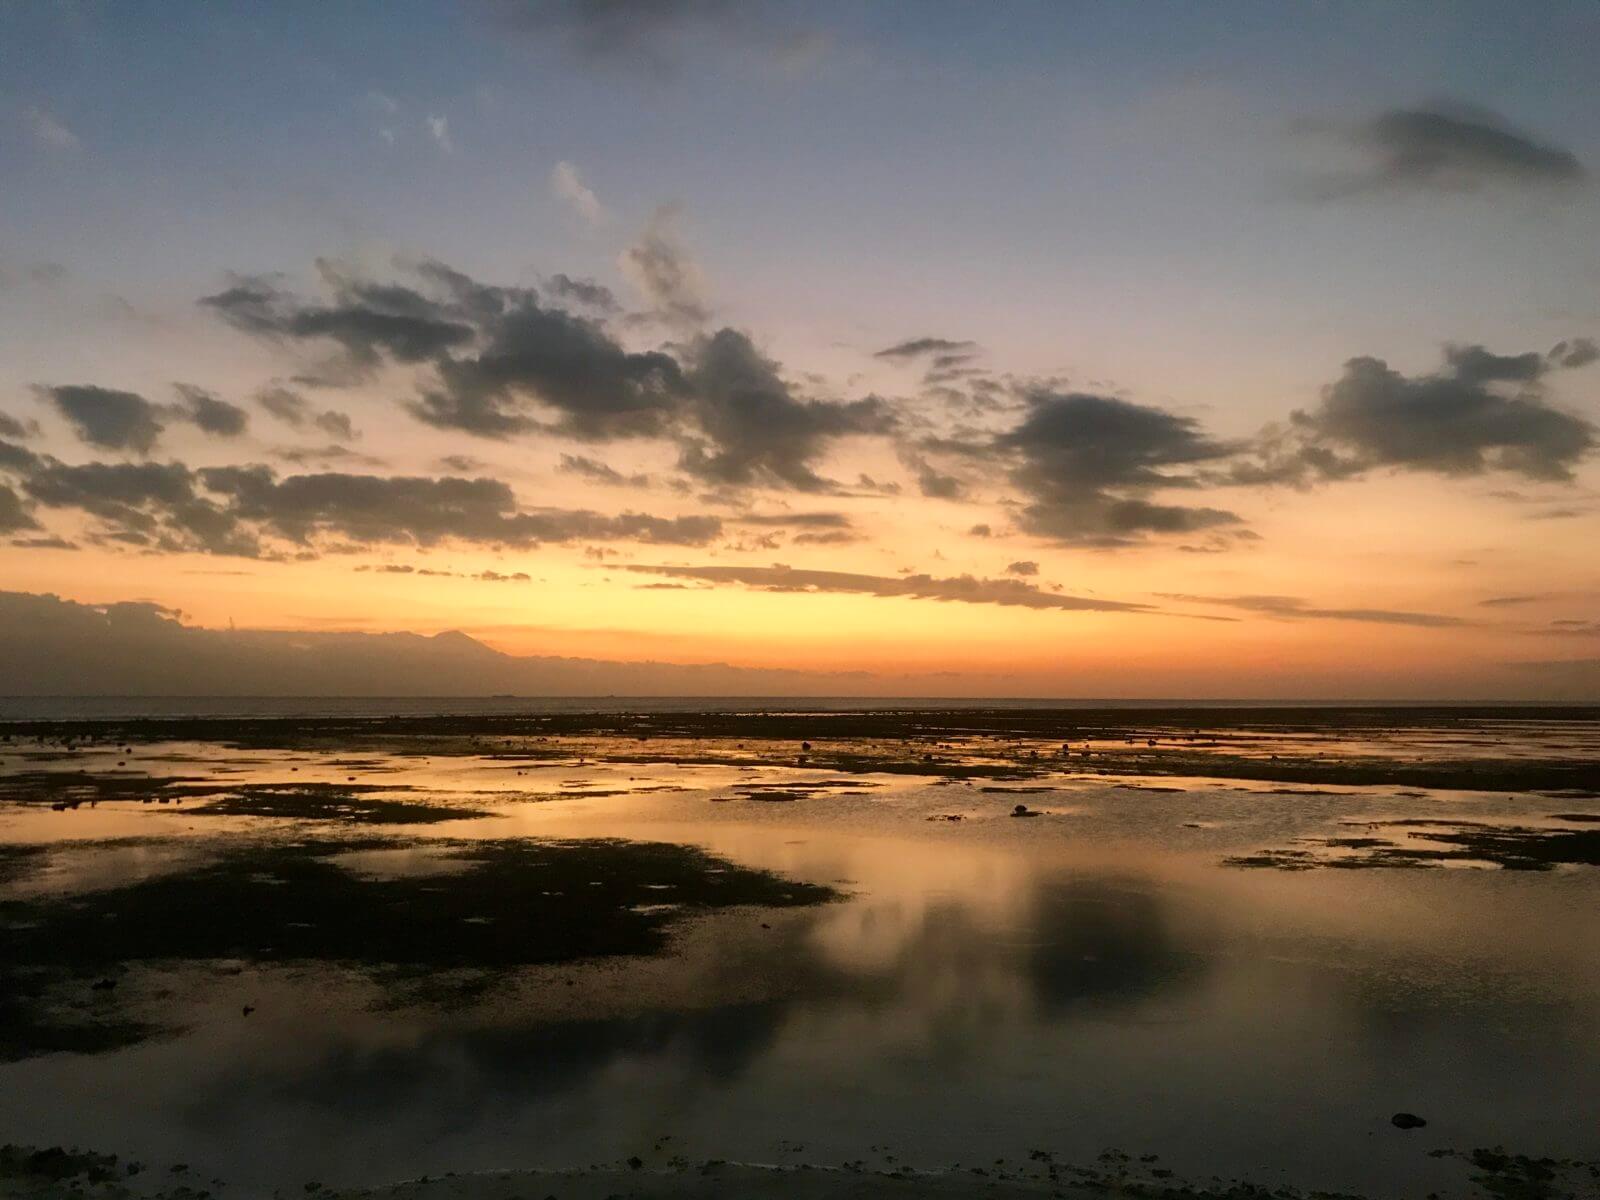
962, 981
447, 1080
1103, 943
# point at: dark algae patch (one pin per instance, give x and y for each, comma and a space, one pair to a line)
515, 903
351, 803
1436, 843
364, 804
18, 860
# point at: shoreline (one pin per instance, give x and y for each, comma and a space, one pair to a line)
28, 1173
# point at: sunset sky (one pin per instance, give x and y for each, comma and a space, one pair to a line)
1059, 349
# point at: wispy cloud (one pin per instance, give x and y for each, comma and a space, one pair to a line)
1293, 608
49, 130
439, 130
964, 589
566, 182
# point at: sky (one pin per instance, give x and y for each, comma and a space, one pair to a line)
1034, 349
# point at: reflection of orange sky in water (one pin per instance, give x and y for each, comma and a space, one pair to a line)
1088, 978
904, 872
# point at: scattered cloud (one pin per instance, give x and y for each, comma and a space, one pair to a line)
250, 511
965, 589
208, 413
1577, 352
932, 482
106, 417
807, 520
323, 455
1481, 412
14, 515
43, 543
14, 429
760, 431
1086, 464
367, 321
598, 472
294, 410
566, 364
585, 293
1023, 568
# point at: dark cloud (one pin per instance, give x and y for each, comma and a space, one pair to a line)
1292, 608
931, 481
585, 292
289, 407
563, 362
1475, 364
295, 411
152, 505
981, 530
367, 321
760, 431
1023, 568
332, 453
1510, 601
105, 417
964, 589
18, 459
1441, 150
43, 543
598, 472
425, 511
924, 346
656, 36
1481, 412
12, 428
1576, 352
208, 413
808, 520
14, 516
1086, 462
335, 424
524, 366
250, 511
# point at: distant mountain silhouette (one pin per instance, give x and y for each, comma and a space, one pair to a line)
55, 647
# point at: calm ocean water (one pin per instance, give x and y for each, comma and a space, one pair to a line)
78, 708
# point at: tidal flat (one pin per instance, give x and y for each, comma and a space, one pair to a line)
796, 952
